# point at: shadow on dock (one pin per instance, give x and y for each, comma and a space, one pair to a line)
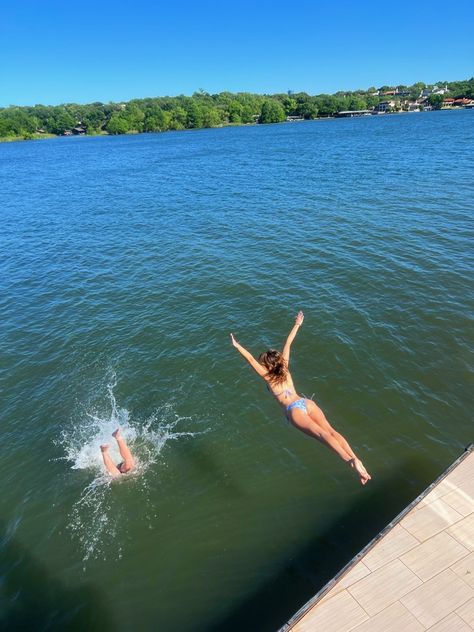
31, 599
319, 560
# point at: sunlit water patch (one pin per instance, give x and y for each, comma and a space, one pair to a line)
97, 520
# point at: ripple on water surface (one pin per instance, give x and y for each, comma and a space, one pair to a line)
142, 253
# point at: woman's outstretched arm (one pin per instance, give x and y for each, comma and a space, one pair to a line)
291, 336
249, 357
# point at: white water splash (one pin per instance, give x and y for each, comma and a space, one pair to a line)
98, 519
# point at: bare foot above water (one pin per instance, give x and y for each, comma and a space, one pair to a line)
364, 476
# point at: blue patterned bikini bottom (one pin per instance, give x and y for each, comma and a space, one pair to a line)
299, 403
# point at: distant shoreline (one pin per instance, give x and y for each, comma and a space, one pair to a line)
48, 136
203, 110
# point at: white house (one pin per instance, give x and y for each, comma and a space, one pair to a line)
434, 90
437, 90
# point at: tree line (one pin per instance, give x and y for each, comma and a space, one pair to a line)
201, 110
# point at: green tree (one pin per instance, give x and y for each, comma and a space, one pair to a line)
328, 105
211, 117
118, 124
60, 121
248, 114
272, 112
195, 118
42, 113
155, 120
461, 89
178, 118
436, 101
235, 112
372, 101
135, 116
307, 110
289, 104
357, 103
305, 106
94, 117
17, 122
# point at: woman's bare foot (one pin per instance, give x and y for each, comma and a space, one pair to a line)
364, 476
117, 434
104, 447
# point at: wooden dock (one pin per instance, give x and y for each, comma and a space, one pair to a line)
416, 575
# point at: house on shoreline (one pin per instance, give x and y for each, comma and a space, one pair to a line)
458, 103
79, 130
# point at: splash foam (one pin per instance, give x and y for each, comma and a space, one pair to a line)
97, 517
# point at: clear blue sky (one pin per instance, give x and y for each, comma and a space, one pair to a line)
58, 51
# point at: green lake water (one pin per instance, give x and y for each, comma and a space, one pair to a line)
125, 263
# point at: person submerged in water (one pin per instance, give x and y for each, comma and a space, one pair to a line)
128, 462
303, 413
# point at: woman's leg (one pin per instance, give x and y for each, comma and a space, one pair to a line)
303, 422
319, 417
128, 460
324, 432
109, 464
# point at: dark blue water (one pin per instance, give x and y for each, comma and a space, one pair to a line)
125, 262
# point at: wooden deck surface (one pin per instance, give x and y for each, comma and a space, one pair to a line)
417, 575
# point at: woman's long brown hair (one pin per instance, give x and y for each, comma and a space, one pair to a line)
275, 364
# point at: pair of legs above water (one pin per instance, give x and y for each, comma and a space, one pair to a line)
313, 422
128, 462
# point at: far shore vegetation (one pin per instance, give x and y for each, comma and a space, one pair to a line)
203, 110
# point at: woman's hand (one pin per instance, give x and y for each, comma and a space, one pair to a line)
299, 318
233, 340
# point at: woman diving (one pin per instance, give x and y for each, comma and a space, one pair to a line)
303, 413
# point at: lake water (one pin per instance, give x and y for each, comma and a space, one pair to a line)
126, 262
